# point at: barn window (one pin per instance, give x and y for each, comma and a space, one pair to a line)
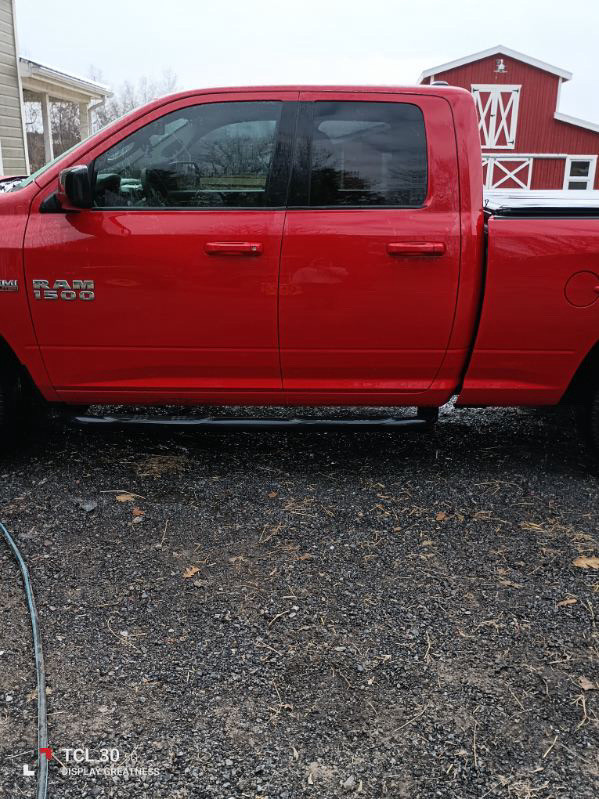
580, 172
497, 108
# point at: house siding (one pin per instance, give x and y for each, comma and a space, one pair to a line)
537, 129
14, 160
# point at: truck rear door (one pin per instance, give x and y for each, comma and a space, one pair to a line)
371, 252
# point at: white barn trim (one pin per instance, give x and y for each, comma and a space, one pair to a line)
497, 50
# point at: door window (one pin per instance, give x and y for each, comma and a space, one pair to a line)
367, 154
215, 155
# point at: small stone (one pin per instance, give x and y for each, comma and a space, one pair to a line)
88, 505
349, 784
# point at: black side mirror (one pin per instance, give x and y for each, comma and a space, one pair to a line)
74, 188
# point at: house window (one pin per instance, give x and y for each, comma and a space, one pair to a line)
497, 109
580, 172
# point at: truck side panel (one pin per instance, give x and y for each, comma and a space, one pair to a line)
540, 314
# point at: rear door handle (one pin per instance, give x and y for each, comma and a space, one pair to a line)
233, 248
416, 248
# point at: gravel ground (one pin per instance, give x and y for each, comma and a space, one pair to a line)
284, 615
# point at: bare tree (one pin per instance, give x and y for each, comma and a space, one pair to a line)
129, 96
64, 116
236, 155
66, 127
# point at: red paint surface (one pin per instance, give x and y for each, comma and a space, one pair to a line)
582, 289
531, 339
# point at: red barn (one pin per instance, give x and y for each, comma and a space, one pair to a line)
527, 143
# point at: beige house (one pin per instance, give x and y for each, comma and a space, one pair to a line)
24, 80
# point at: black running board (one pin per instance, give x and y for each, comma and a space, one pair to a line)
248, 424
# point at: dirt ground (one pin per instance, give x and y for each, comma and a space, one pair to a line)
279, 615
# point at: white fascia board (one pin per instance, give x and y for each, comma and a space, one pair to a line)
581, 123
33, 69
498, 50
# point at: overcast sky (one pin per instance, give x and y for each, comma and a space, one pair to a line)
245, 42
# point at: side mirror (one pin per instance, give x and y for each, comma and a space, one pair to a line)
74, 189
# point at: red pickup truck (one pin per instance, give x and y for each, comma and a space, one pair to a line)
293, 246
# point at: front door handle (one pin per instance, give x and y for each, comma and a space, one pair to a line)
233, 248
416, 248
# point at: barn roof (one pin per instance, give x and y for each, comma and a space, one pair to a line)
497, 50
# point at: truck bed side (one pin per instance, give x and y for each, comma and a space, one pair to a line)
540, 314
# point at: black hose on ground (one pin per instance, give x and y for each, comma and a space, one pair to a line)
42, 718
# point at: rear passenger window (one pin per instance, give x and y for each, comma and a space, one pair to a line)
215, 155
368, 154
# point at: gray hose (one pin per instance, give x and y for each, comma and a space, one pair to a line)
42, 718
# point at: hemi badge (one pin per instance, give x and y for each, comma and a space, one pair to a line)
9, 285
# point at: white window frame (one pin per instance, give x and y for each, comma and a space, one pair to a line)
521, 162
497, 111
589, 181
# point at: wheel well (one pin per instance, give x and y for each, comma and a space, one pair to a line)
586, 378
11, 364
8, 359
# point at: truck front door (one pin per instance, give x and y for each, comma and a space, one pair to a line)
167, 287
371, 253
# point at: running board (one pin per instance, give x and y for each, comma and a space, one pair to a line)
247, 424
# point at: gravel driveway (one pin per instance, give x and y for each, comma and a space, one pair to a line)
283, 615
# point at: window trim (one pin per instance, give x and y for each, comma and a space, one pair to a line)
299, 190
589, 181
279, 173
497, 120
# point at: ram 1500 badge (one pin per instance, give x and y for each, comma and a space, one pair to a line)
63, 290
